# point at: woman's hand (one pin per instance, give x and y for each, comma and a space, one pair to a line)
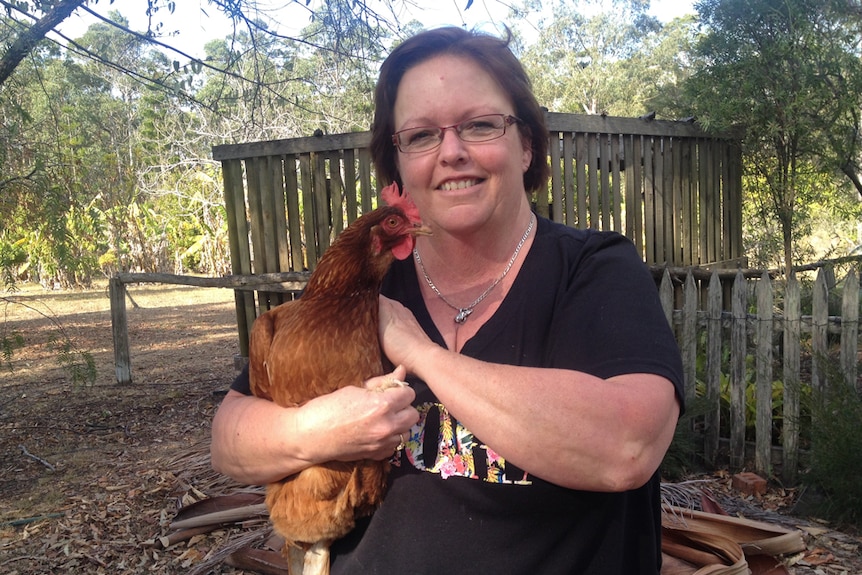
359, 422
401, 336
256, 441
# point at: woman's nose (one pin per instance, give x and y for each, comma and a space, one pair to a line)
452, 148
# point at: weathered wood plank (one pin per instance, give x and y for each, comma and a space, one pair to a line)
240, 256
294, 219
351, 192
569, 192
291, 146
581, 171
556, 184
688, 342
713, 367
763, 378
311, 252
738, 352
120, 331
792, 383
850, 329
819, 331
649, 205
616, 184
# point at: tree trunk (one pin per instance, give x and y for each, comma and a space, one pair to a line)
25, 41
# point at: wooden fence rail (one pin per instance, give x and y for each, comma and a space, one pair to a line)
726, 354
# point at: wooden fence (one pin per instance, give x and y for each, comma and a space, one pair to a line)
739, 347
729, 357
671, 188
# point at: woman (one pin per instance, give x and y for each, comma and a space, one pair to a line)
546, 383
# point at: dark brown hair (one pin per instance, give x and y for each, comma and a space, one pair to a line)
489, 52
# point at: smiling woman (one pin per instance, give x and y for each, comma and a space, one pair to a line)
546, 391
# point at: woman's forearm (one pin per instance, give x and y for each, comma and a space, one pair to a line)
252, 440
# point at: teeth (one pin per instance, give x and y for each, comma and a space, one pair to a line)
458, 185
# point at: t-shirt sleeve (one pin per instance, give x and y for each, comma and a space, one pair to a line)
242, 383
611, 318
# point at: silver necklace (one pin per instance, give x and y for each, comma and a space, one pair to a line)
464, 312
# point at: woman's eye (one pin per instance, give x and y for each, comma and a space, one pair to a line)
478, 126
421, 136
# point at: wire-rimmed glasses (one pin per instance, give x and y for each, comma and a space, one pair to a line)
478, 129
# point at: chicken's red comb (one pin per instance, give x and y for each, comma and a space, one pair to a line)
395, 197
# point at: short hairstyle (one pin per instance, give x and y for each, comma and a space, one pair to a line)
492, 54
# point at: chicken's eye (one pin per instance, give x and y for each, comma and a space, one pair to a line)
392, 222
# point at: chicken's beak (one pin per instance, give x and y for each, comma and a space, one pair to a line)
421, 230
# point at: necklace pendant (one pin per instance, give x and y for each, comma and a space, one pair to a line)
462, 316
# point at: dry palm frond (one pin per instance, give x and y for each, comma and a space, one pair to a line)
236, 543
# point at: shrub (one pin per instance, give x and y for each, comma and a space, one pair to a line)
836, 455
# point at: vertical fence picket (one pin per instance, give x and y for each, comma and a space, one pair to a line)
792, 349
738, 348
665, 293
294, 219
556, 184
351, 194
311, 252
819, 329
763, 386
850, 329
688, 341
713, 367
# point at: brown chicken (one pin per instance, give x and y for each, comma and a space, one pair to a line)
326, 340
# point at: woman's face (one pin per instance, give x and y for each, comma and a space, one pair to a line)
459, 186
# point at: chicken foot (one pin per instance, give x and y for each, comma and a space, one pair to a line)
308, 560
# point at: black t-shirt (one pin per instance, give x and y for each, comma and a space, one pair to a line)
583, 300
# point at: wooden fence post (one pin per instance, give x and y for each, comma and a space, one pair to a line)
120, 328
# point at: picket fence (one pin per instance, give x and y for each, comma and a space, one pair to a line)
752, 329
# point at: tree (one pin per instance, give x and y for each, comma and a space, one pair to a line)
106, 163
586, 56
789, 72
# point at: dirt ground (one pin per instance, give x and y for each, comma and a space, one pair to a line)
91, 474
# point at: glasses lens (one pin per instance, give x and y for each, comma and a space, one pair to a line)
482, 128
419, 139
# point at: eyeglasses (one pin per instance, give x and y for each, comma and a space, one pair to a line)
478, 129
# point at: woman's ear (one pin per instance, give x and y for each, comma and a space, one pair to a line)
526, 156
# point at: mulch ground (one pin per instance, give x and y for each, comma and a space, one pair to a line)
92, 473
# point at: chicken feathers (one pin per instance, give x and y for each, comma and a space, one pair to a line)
326, 340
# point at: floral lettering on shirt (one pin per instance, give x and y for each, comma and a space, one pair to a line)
456, 449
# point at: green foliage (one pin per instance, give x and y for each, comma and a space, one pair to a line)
789, 72
836, 454
686, 448
78, 364
9, 342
